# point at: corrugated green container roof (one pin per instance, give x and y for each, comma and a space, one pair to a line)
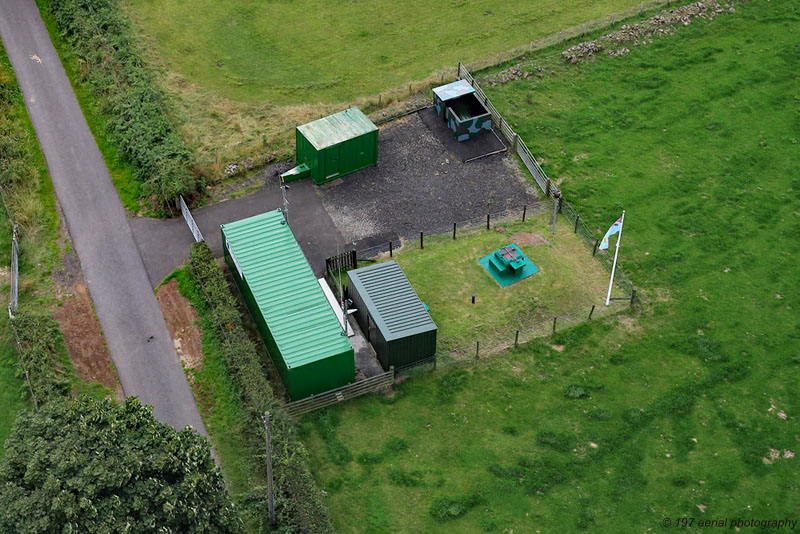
285, 289
392, 302
336, 128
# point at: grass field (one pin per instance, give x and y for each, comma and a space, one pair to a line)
317, 51
446, 273
241, 75
686, 410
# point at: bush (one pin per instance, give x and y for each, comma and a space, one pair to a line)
445, 508
42, 355
298, 502
101, 37
95, 466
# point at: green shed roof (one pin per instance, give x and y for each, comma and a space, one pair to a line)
336, 128
285, 289
393, 304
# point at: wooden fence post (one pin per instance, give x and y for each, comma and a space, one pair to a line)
554, 324
516, 339
633, 296
390, 249
454, 230
487, 221
591, 312
560, 203
524, 212
577, 218
421, 240
594, 250
547, 190
477, 350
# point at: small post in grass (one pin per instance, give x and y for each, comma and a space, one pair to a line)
591, 312
473, 298
516, 339
577, 218
555, 319
454, 230
487, 221
524, 212
633, 296
556, 207
421, 240
390, 249
477, 350
594, 250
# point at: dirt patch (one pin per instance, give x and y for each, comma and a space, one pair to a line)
84, 340
529, 238
83, 337
183, 324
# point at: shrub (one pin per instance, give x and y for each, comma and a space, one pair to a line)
298, 502
94, 466
401, 477
445, 508
101, 37
555, 440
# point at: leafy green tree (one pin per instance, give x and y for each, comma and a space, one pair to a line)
83, 465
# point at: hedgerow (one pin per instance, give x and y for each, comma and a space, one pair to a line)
110, 63
41, 348
298, 502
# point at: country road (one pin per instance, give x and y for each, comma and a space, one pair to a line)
132, 322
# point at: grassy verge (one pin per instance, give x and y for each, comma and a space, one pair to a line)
689, 411
219, 401
446, 273
30, 200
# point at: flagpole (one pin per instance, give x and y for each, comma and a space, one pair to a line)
616, 253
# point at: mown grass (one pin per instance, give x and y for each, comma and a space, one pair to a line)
317, 51
122, 173
642, 418
239, 83
446, 273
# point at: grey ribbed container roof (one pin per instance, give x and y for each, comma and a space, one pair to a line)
337, 128
391, 300
285, 289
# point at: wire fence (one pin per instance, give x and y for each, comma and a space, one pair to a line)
549, 189
579, 30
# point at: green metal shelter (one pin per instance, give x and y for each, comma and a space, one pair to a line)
334, 146
301, 330
391, 314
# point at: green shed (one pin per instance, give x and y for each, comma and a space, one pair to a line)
339, 144
301, 330
391, 315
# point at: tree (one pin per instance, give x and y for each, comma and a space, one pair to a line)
83, 465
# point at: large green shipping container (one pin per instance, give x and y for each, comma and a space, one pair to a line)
337, 145
301, 331
391, 315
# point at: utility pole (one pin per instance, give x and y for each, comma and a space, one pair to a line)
271, 499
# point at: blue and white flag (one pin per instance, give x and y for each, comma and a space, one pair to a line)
615, 229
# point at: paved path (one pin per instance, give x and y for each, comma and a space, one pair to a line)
134, 327
165, 243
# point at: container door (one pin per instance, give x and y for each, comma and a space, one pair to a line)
332, 162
